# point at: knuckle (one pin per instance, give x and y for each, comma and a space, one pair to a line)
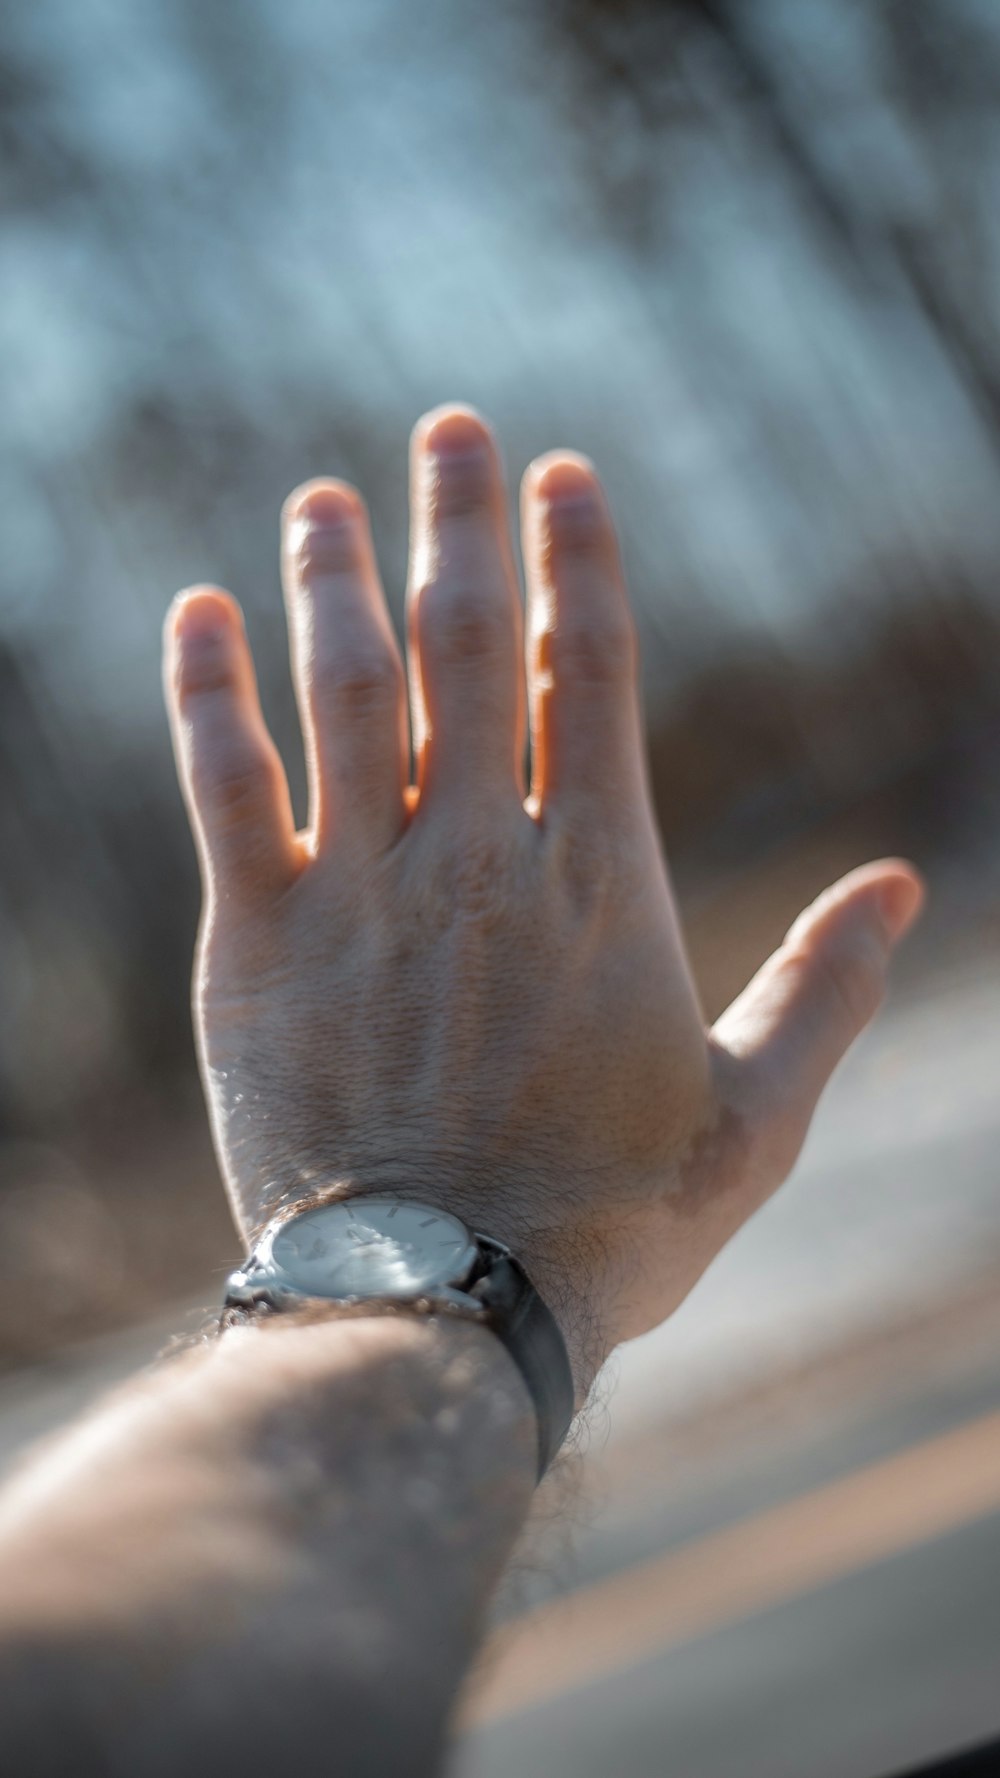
463, 485
325, 552
855, 982
359, 682
576, 527
232, 782
600, 652
601, 866
479, 879
723, 1158
203, 672
469, 881
459, 622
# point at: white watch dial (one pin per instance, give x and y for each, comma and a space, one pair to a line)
370, 1247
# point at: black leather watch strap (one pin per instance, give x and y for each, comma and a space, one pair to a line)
517, 1315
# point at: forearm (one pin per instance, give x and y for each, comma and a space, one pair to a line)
282, 1546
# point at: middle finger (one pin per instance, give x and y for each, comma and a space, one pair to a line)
465, 627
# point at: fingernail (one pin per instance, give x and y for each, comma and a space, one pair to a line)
199, 615
900, 900
320, 530
454, 432
567, 480
319, 506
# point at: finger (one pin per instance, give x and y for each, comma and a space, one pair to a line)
346, 665
804, 1009
232, 777
586, 728
466, 660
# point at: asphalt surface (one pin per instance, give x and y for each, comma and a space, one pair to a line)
871, 1673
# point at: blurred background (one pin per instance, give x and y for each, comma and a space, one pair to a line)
746, 254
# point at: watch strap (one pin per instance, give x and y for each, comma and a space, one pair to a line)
522, 1323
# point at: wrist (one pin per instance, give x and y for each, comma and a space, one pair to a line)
568, 1267
369, 1253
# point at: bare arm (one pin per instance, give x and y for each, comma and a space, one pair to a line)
272, 1554
470, 991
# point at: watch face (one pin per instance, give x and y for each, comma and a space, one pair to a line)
367, 1247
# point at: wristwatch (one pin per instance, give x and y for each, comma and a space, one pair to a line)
392, 1251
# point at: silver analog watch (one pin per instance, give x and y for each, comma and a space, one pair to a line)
384, 1250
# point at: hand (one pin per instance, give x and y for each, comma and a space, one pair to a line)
459, 993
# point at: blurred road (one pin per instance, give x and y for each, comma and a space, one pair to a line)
792, 1569
878, 1671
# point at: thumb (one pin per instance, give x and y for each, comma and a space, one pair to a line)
813, 997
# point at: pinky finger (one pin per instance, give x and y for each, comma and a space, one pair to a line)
230, 771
